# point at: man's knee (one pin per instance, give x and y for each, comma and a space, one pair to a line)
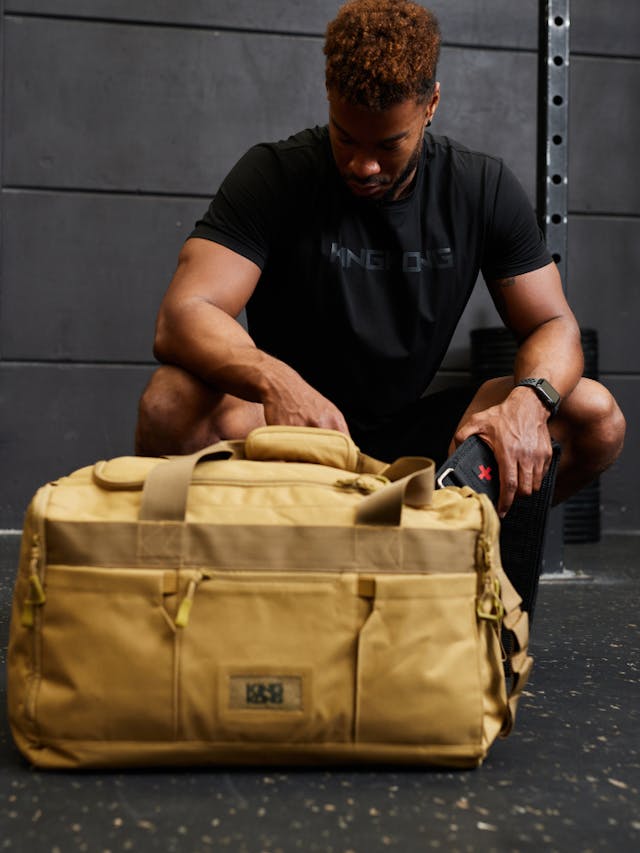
609, 423
170, 407
178, 413
594, 422
168, 389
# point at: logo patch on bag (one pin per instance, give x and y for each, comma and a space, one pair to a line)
265, 693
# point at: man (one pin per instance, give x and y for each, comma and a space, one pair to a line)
355, 248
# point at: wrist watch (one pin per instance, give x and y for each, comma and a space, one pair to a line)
545, 391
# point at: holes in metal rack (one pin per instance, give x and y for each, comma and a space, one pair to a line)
553, 66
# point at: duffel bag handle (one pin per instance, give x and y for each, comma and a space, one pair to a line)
166, 487
384, 507
309, 444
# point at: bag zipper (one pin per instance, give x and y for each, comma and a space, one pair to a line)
184, 608
32, 613
489, 604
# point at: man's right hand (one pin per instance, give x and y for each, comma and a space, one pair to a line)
289, 400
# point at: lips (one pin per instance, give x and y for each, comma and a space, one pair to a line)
366, 189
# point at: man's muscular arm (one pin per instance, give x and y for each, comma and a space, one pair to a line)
197, 330
534, 308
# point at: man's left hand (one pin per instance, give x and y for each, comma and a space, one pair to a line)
517, 433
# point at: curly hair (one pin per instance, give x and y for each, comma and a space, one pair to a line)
381, 52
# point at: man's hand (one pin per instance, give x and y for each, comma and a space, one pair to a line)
289, 400
516, 430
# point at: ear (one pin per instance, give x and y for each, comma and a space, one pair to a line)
433, 103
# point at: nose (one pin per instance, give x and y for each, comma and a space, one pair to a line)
363, 166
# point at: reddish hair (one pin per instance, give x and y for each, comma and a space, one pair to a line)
382, 52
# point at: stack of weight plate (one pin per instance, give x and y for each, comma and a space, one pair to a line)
582, 510
493, 352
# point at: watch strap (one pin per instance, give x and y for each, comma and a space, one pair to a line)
547, 394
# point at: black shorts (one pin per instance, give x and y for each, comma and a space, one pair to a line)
423, 429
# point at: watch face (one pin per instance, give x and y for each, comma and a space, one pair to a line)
545, 391
549, 391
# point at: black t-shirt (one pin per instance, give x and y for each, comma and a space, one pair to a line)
362, 297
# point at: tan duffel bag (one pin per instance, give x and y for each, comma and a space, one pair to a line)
284, 599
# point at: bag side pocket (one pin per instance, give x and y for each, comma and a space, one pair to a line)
107, 657
418, 679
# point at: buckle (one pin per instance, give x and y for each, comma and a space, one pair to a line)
440, 478
494, 612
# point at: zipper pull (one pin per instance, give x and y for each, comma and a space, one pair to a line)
184, 609
489, 604
36, 596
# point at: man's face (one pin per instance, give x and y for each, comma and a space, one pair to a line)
377, 152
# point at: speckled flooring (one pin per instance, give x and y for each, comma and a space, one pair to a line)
567, 779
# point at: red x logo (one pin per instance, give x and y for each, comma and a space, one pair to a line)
485, 472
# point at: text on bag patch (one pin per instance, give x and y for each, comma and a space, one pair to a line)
259, 693
273, 693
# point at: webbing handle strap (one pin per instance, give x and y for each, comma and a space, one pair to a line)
384, 507
166, 487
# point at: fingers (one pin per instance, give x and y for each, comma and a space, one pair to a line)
332, 420
508, 485
465, 431
521, 474
538, 474
308, 408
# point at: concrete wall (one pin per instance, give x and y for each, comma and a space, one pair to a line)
119, 119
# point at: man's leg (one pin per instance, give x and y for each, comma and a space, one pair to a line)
180, 414
589, 426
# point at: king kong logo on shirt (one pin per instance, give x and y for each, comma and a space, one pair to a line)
381, 259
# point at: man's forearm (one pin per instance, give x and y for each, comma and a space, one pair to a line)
203, 339
207, 342
552, 351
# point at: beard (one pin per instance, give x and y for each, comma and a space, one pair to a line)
393, 187
407, 172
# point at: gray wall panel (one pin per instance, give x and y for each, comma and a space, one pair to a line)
498, 23
62, 417
175, 106
619, 485
297, 16
486, 22
180, 128
604, 259
611, 27
604, 136
489, 103
84, 274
